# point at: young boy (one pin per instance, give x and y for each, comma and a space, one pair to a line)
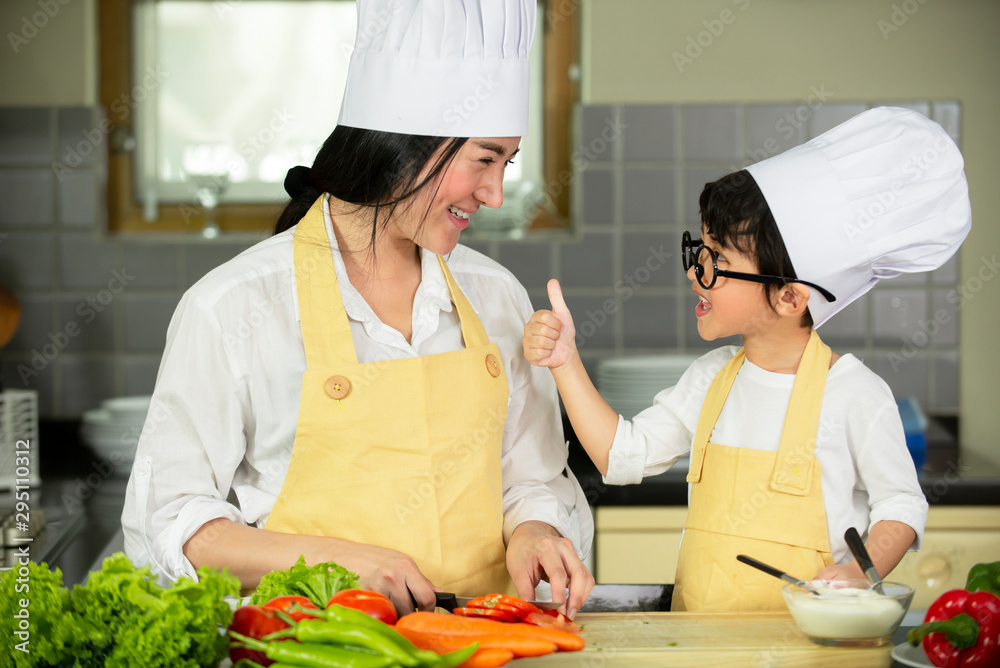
790, 444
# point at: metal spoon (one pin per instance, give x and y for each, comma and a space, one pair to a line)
771, 570
864, 560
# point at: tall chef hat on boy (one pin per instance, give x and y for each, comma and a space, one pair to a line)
880, 195
452, 68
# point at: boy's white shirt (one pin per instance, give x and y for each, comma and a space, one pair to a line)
867, 472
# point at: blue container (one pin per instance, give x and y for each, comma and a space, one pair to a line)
915, 428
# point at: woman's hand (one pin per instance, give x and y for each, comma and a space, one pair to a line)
391, 573
250, 554
549, 335
537, 552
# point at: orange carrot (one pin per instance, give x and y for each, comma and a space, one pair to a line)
488, 658
437, 623
442, 643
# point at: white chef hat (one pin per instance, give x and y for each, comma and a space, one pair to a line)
445, 68
877, 196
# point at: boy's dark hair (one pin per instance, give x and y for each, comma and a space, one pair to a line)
735, 213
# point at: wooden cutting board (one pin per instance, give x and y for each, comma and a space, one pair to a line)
703, 640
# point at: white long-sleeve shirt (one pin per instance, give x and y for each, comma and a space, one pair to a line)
218, 438
867, 472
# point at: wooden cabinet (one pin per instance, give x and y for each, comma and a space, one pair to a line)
638, 545
956, 538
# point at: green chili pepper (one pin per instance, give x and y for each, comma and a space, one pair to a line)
340, 613
984, 577
247, 663
345, 633
311, 655
456, 658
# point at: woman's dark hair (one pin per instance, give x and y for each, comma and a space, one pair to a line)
735, 213
368, 168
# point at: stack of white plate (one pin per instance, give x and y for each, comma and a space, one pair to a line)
112, 430
629, 384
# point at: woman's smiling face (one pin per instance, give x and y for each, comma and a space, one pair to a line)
473, 179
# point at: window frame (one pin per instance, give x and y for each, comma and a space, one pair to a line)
117, 93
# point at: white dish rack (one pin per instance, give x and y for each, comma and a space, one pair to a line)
19, 426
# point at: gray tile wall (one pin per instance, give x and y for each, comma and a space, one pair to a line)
95, 308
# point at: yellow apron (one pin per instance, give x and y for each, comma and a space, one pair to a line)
405, 453
767, 505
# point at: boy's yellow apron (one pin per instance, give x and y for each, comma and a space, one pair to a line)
767, 505
405, 453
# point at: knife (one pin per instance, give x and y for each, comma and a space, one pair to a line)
449, 602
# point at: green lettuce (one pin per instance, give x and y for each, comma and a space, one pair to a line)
55, 636
121, 617
317, 583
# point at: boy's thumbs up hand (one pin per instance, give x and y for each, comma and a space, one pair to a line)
549, 335
558, 303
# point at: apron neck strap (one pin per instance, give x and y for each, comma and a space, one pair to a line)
326, 332
472, 328
797, 452
710, 411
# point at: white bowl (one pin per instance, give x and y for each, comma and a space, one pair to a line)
847, 613
127, 408
97, 416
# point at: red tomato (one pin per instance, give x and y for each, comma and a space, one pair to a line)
552, 619
487, 613
287, 605
254, 621
504, 602
372, 603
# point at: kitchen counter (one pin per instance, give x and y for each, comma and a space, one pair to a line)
83, 522
704, 639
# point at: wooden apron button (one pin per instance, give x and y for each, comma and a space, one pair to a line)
493, 365
338, 387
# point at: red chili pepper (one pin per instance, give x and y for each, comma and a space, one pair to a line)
496, 605
961, 630
487, 613
518, 606
552, 619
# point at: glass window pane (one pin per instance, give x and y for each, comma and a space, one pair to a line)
250, 89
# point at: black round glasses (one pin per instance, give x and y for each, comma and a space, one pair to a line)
695, 253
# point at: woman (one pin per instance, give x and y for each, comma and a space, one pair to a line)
342, 392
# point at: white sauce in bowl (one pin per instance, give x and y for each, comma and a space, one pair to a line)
845, 613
